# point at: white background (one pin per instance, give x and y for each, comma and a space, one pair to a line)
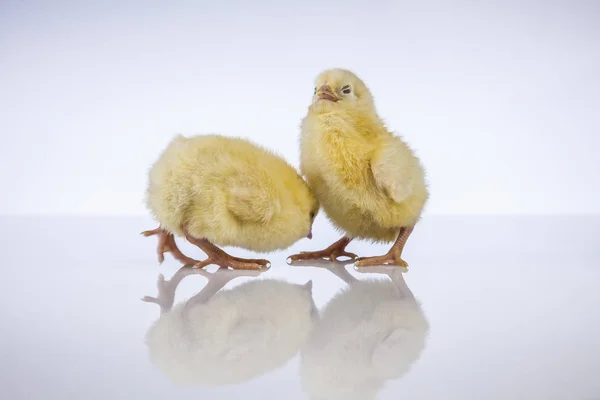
500, 99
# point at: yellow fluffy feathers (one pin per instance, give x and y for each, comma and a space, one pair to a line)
368, 181
229, 192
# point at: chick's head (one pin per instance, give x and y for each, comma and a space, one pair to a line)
339, 88
308, 207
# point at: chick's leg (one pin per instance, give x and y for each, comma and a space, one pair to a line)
338, 249
221, 258
393, 257
166, 243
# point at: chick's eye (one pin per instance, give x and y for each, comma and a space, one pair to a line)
346, 89
312, 215
315, 91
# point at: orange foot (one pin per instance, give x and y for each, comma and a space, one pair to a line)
166, 243
388, 259
393, 257
338, 249
221, 258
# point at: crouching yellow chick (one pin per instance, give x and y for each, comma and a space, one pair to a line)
368, 181
220, 191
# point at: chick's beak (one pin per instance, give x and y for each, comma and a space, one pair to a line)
309, 233
325, 93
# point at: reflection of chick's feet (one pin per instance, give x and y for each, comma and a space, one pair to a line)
338, 249
391, 258
166, 243
166, 294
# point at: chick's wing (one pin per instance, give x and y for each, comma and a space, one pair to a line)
393, 169
251, 199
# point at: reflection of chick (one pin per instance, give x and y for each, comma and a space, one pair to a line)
227, 191
372, 332
368, 181
233, 336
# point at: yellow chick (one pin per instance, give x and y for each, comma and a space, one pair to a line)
368, 181
220, 191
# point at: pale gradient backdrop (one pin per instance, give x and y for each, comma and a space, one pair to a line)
501, 99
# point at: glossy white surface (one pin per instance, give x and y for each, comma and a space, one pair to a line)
510, 310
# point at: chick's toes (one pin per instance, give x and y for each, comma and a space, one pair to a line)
260, 261
338, 249
221, 258
248, 264
388, 259
393, 257
233, 262
166, 244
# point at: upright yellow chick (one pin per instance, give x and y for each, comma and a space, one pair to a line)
220, 191
368, 181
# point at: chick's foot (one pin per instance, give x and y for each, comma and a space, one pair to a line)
338, 249
393, 257
388, 259
260, 261
219, 257
166, 243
